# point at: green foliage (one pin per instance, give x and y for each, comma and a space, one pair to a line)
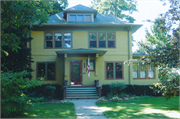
116, 99
102, 99
13, 100
50, 91
116, 8
117, 88
163, 49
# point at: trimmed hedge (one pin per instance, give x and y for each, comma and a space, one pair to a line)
45, 90
133, 90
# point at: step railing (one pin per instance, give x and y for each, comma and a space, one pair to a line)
65, 89
98, 87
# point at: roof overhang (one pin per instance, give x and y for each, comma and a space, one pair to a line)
81, 52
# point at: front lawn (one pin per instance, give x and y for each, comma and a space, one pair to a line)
51, 110
152, 107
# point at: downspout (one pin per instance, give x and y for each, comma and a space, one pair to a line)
129, 54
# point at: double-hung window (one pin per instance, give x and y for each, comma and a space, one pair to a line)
102, 40
114, 70
67, 40
72, 18
142, 71
87, 18
58, 40
49, 40
111, 40
151, 72
46, 70
135, 70
93, 40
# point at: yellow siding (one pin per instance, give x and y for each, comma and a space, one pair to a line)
80, 40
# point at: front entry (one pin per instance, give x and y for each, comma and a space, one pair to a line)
76, 72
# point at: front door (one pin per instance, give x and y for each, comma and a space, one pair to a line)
76, 72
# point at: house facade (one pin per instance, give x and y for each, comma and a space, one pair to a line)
61, 47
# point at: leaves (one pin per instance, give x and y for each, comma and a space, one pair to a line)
116, 8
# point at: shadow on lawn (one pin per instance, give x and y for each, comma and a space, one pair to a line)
154, 107
51, 110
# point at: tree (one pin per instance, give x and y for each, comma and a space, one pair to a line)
163, 49
116, 8
18, 18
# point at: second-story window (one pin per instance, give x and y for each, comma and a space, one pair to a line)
58, 40
87, 18
49, 40
111, 40
80, 17
102, 40
142, 71
67, 40
93, 40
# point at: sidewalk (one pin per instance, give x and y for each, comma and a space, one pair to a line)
87, 109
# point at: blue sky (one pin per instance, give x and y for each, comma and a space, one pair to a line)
147, 9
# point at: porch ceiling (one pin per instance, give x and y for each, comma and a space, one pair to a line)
81, 52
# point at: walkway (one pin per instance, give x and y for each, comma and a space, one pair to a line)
87, 109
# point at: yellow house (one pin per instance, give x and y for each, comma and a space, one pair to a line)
61, 47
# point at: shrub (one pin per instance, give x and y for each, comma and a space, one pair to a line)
49, 91
13, 100
117, 88
102, 99
115, 99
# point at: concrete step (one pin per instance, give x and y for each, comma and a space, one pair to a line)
83, 92
91, 97
71, 94
81, 88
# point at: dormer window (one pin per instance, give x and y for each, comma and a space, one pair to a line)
80, 17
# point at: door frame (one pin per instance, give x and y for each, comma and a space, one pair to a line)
81, 71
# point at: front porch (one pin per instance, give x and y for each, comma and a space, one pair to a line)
82, 92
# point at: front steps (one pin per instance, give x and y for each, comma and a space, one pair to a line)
81, 92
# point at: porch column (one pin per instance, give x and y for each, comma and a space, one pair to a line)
96, 61
65, 89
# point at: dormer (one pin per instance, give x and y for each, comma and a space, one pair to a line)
79, 13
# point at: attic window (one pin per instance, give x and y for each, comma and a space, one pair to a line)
80, 17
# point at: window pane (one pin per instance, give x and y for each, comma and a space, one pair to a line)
91, 65
102, 36
110, 44
87, 18
118, 66
109, 74
67, 44
109, 66
72, 18
134, 67
150, 68
80, 18
118, 74
142, 74
67, 36
58, 36
111, 36
93, 44
50, 71
48, 36
58, 44
76, 70
92, 36
49, 44
102, 43
150, 74
135, 75
41, 70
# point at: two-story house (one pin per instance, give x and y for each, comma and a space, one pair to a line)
61, 47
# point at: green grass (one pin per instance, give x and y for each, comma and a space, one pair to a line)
152, 107
51, 110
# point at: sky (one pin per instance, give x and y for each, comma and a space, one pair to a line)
147, 9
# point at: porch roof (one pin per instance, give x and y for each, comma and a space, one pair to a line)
81, 52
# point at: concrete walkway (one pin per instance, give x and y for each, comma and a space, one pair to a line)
87, 109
